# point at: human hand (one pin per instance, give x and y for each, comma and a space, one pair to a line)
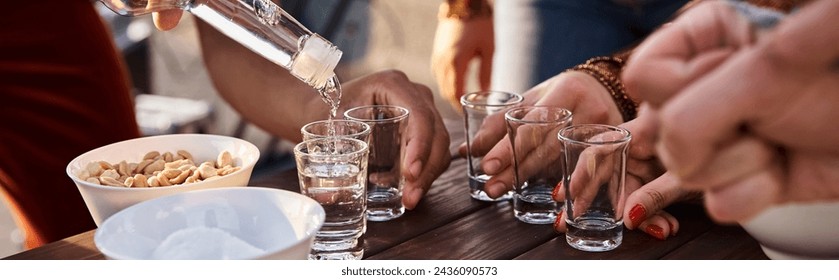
168, 19
576, 91
649, 189
682, 51
427, 141
536, 149
456, 43
755, 131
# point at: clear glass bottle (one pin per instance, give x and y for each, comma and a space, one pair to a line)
260, 25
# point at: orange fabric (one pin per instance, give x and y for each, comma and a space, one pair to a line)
63, 91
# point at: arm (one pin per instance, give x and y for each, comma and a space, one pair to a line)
268, 96
464, 32
262, 92
769, 107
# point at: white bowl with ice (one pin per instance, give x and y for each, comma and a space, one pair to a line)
798, 231
224, 223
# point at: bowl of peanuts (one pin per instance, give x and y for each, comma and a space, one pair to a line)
118, 175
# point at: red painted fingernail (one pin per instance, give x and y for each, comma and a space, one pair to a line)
637, 214
555, 193
558, 221
672, 228
655, 231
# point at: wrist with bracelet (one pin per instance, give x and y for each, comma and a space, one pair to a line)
465, 9
606, 70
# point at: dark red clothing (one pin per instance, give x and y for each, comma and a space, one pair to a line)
63, 91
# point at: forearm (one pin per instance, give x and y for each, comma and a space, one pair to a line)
264, 93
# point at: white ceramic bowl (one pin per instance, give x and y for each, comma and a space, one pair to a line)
798, 231
225, 223
104, 201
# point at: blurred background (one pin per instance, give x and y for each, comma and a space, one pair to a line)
175, 95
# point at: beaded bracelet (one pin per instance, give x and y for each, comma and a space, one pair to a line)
606, 70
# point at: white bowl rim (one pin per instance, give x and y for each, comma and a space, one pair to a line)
321, 213
759, 227
244, 167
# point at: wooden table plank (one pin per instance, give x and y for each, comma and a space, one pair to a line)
447, 200
77, 247
492, 233
636, 244
720, 243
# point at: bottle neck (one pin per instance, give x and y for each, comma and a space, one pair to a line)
315, 63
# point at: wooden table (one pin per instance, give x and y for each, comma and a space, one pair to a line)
449, 224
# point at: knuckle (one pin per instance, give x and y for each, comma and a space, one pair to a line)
657, 198
394, 75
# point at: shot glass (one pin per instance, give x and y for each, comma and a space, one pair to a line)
476, 107
341, 128
332, 171
595, 171
537, 160
384, 180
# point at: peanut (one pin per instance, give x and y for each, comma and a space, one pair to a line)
164, 182
167, 157
110, 173
171, 173
108, 181
185, 155
207, 170
158, 170
141, 181
122, 168
152, 155
105, 165
158, 165
129, 182
94, 169
224, 159
180, 178
142, 165
153, 182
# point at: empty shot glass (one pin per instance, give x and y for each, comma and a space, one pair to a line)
476, 107
387, 151
340, 128
332, 171
595, 171
537, 160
